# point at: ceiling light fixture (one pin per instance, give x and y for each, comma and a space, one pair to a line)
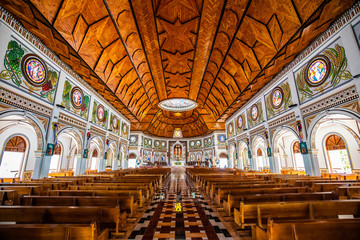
177, 104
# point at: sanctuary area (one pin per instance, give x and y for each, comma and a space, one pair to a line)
180, 119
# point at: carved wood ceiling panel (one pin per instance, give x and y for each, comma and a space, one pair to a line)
137, 53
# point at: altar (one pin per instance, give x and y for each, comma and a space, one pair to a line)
177, 163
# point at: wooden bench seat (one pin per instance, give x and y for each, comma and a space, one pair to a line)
106, 217
9, 197
52, 231
250, 214
25, 190
235, 201
350, 192
324, 229
126, 203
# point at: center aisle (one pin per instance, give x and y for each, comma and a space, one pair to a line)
193, 220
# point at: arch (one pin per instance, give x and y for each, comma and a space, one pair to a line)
25, 146
76, 135
278, 133
259, 144
315, 124
243, 154
132, 156
334, 141
33, 121
223, 155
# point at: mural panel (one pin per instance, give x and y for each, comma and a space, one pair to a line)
158, 144
28, 72
124, 130
75, 100
325, 71
209, 142
195, 144
147, 142
134, 140
221, 139
240, 123
255, 114
278, 100
230, 130
114, 124
99, 115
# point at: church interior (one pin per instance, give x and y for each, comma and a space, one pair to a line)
180, 119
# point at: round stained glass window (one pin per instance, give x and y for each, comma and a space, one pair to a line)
277, 97
317, 71
254, 112
240, 122
100, 112
34, 69
177, 104
77, 97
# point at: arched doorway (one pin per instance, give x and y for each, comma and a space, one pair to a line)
345, 125
244, 155
56, 158
337, 154
13, 157
177, 152
232, 156
223, 160
259, 149
297, 157
132, 160
285, 139
94, 160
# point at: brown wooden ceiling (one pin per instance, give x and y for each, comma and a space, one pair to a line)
136, 53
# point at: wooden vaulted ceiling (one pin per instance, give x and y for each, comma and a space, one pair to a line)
137, 53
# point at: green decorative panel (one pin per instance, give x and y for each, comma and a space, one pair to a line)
209, 141
114, 124
72, 103
158, 144
230, 130
99, 115
134, 140
322, 73
29, 73
240, 123
278, 100
195, 144
124, 130
147, 142
255, 114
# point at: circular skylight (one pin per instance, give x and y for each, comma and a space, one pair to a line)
177, 104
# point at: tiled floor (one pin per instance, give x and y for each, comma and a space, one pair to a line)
195, 221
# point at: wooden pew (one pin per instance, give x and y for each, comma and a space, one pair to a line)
9, 197
52, 231
252, 214
137, 194
104, 216
126, 203
325, 229
25, 190
351, 192
234, 202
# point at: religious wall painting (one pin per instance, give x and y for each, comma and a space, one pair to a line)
133, 140
124, 130
221, 139
255, 114
114, 124
159, 144
230, 130
240, 123
147, 143
195, 144
29, 72
278, 100
209, 141
99, 115
75, 100
323, 72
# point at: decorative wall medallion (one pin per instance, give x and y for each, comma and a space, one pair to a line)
145, 141
205, 141
240, 122
115, 123
100, 112
157, 143
192, 143
77, 98
254, 112
34, 70
221, 138
231, 128
163, 144
150, 142
317, 70
210, 141
198, 143
133, 139
277, 97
